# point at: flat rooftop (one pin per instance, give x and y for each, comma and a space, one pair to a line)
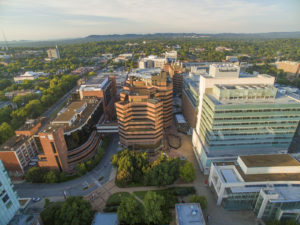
70, 111
278, 160
91, 107
105, 219
13, 143
279, 99
189, 213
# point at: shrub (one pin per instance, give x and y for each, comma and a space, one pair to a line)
187, 172
199, 199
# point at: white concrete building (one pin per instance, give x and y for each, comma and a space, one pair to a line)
152, 61
227, 76
267, 184
29, 75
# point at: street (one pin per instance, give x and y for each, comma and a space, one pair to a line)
77, 186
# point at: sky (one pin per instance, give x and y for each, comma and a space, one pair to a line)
56, 19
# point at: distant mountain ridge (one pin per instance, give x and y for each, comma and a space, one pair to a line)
270, 35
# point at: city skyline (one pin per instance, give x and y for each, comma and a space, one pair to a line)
20, 20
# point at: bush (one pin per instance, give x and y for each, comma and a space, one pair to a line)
116, 198
36, 175
183, 191
52, 176
187, 172
199, 199
75, 210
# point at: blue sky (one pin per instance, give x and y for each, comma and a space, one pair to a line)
51, 19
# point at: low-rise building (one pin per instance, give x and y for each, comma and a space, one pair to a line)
9, 203
171, 56
72, 137
189, 213
29, 75
18, 151
267, 184
12, 94
152, 61
106, 218
292, 68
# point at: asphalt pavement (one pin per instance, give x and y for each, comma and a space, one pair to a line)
76, 187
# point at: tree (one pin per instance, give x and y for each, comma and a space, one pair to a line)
187, 172
199, 199
36, 175
75, 210
154, 204
80, 169
130, 211
5, 132
52, 176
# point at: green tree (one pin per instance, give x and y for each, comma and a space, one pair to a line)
52, 176
5, 132
187, 172
75, 210
36, 175
130, 211
199, 199
154, 204
81, 169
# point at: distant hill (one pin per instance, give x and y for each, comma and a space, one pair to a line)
271, 35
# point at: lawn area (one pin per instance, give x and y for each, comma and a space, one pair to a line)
174, 191
114, 201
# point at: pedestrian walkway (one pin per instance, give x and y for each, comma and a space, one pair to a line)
217, 214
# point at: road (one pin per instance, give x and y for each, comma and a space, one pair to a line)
74, 187
58, 104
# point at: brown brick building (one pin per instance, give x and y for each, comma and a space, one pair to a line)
18, 151
72, 138
144, 110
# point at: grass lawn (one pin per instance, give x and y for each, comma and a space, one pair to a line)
175, 191
116, 198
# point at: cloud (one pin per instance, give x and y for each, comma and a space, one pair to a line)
143, 16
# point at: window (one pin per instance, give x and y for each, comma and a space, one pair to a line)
5, 198
9, 204
53, 147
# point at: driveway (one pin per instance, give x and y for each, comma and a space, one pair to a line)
76, 186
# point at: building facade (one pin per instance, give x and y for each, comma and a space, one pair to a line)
144, 110
267, 184
189, 213
9, 203
241, 115
72, 137
19, 151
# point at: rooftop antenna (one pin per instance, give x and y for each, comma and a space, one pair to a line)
5, 41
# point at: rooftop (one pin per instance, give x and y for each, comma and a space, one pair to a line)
105, 219
269, 160
189, 213
71, 110
92, 104
279, 99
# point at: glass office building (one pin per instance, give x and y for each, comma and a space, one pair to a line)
9, 203
244, 120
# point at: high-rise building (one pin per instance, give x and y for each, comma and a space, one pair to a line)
53, 53
241, 115
9, 203
145, 109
